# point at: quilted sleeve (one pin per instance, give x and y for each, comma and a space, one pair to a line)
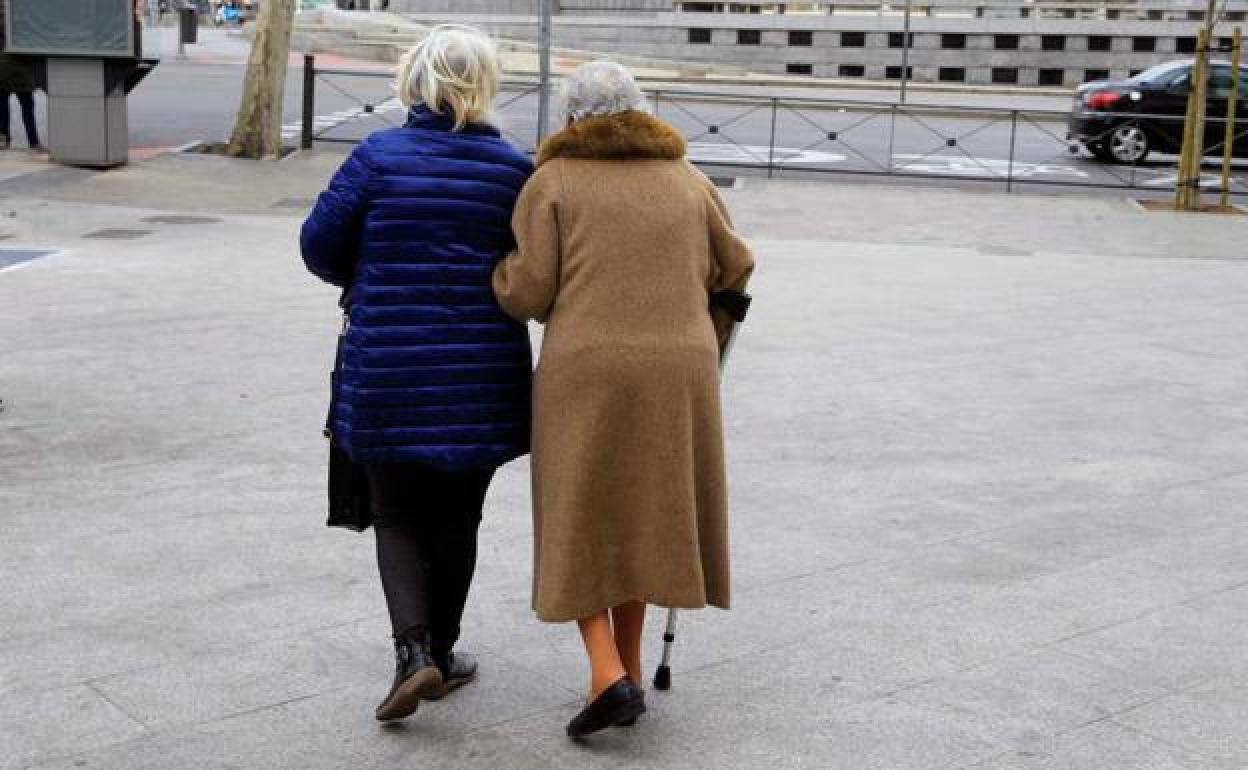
330, 238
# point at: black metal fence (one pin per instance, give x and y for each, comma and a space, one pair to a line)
794, 136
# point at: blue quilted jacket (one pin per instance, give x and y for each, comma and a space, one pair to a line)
431, 370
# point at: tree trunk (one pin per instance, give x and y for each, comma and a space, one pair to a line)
258, 131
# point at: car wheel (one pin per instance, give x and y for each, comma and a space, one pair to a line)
1129, 143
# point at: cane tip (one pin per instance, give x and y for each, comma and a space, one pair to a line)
663, 678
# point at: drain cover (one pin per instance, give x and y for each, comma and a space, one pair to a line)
117, 234
181, 219
11, 257
294, 203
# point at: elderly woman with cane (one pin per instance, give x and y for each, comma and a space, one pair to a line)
431, 390
621, 245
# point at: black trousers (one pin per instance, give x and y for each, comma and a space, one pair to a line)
426, 525
26, 101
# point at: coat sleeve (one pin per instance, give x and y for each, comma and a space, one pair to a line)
330, 238
527, 280
732, 262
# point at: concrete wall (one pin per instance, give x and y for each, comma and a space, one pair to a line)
458, 7
530, 6
613, 6
666, 35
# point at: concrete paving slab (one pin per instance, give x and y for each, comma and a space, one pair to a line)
212, 686
45, 724
1024, 701
1208, 724
272, 737
1183, 647
57, 657
988, 458
1099, 745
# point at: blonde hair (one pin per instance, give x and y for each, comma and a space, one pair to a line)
456, 68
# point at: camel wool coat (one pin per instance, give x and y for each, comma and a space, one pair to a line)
621, 241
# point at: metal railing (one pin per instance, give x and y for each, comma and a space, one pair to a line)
803, 136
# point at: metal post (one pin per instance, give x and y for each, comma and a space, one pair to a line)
177, 20
905, 53
892, 134
543, 62
1231, 108
771, 143
1009, 172
309, 101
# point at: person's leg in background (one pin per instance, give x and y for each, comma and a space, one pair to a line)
26, 100
5, 138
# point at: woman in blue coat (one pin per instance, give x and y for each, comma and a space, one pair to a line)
432, 386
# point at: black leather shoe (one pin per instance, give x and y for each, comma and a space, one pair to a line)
457, 671
416, 677
618, 703
631, 721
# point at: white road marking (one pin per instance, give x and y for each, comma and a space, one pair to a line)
333, 120
1207, 181
964, 166
712, 152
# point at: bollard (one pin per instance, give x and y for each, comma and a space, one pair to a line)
309, 102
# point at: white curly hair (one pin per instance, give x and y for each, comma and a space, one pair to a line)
599, 88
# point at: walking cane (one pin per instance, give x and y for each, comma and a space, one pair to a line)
736, 304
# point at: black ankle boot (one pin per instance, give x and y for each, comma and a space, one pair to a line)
457, 671
416, 676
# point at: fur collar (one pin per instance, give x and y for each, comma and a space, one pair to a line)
626, 135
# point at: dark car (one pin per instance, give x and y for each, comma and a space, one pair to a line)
1122, 121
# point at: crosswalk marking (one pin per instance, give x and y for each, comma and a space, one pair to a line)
330, 121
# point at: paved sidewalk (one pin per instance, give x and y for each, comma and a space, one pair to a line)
989, 464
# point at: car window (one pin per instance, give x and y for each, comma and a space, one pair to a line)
1168, 76
1219, 82
1160, 74
1177, 79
